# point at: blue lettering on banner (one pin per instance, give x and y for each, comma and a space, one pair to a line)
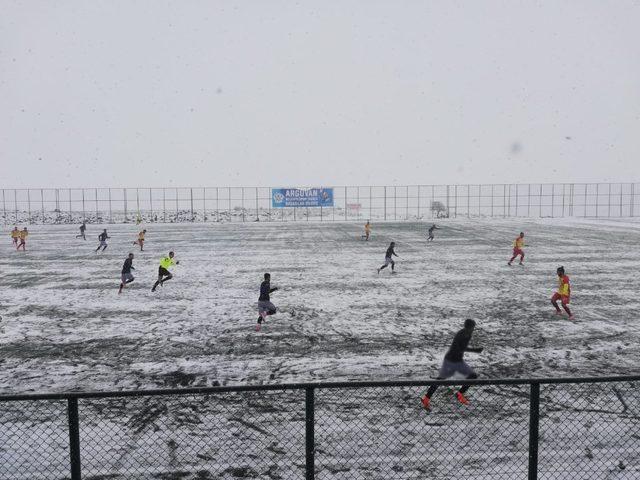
301, 197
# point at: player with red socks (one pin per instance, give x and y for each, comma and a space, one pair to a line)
563, 294
518, 243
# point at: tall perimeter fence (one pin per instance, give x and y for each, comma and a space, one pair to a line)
513, 429
246, 204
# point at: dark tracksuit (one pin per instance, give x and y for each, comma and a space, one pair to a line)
264, 301
454, 360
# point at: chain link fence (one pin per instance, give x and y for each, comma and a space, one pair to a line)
548, 429
248, 204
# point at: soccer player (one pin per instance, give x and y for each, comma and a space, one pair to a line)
126, 276
563, 294
367, 230
518, 243
163, 271
83, 227
265, 307
23, 239
140, 240
103, 240
454, 363
431, 230
387, 258
15, 235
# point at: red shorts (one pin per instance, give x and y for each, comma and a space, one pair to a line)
563, 298
517, 251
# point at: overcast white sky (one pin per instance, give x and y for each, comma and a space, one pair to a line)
275, 93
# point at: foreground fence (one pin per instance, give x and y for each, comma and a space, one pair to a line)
245, 204
513, 429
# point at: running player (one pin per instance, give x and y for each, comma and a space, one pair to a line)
140, 240
265, 307
387, 258
563, 294
431, 230
454, 363
163, 271
367, 230
23, 239
518, 243
15, 235
126, 276
83, 227
103, 240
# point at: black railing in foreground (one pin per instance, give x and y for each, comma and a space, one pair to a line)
534, 428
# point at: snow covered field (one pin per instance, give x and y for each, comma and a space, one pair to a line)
64, 327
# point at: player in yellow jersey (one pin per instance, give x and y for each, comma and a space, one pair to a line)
367, 230
518, 243
23, 239
140, 240
563, 294
15, 235
163, 271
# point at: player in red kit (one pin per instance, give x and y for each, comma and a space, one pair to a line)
563, 294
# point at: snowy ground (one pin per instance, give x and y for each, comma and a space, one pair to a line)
64, 327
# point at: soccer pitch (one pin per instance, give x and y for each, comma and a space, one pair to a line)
64, 326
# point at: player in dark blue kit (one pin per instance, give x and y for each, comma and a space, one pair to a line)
388, 260
265, 307
432, 228
454, 363
126, 275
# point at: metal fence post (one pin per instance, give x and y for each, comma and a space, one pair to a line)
164, 205
597, 198
534, 421
74, 438
609, 202
110, 211
191, 198
309, 433
468, 201
29, 203
345, 203
395, 202
504, 199
150, 205
138, 204
4, 209
15, 203
418, 216
631, 201
257, 208
492, 189
177, 206
242, 205
370, 201
540, 202
124, 193
407, 204
621, 199
385, 202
